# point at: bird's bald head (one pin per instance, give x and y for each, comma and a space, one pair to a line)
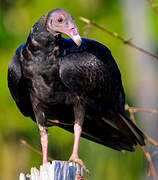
59, 21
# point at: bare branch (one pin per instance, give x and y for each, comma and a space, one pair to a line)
151, 167
152, 6
114, 34
130, 113
135, 109
151, 141
33, 149
86, 30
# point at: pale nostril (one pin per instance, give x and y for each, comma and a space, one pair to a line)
74, 31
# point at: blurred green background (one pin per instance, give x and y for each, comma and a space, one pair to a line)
16, 19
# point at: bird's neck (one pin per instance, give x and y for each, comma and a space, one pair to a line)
44, 44
40, 41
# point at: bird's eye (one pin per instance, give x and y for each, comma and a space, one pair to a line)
60, 20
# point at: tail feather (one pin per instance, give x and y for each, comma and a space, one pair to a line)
113, 130
134, 129
126, 127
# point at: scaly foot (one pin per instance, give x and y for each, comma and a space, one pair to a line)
80, 162
79, 177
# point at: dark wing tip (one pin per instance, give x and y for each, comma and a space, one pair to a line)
139, 135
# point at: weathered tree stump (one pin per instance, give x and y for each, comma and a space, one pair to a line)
58, 170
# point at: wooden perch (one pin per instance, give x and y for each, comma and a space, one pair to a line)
58, 170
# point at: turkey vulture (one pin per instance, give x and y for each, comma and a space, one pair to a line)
71, 83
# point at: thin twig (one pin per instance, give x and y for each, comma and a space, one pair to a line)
151, 141
150, 164
136, 109
85, 30
114, 34
151, 167
33, 149
130, 113
152, 6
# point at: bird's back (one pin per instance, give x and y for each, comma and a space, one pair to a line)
92, 73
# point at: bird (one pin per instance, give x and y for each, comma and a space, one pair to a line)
73, 83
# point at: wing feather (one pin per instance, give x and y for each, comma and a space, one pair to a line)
18, 85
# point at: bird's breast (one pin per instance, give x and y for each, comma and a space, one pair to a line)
49, 89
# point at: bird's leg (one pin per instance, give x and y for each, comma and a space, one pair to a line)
74, 156
79, 112
77, 134
44, 142
41, 121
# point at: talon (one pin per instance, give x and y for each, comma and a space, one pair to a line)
81, 163
79, 177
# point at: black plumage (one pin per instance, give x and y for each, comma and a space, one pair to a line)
57, 83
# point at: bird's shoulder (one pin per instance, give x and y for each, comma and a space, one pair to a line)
89, 67
91, 59
14, 69
91, 53
17, 84
88, 45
